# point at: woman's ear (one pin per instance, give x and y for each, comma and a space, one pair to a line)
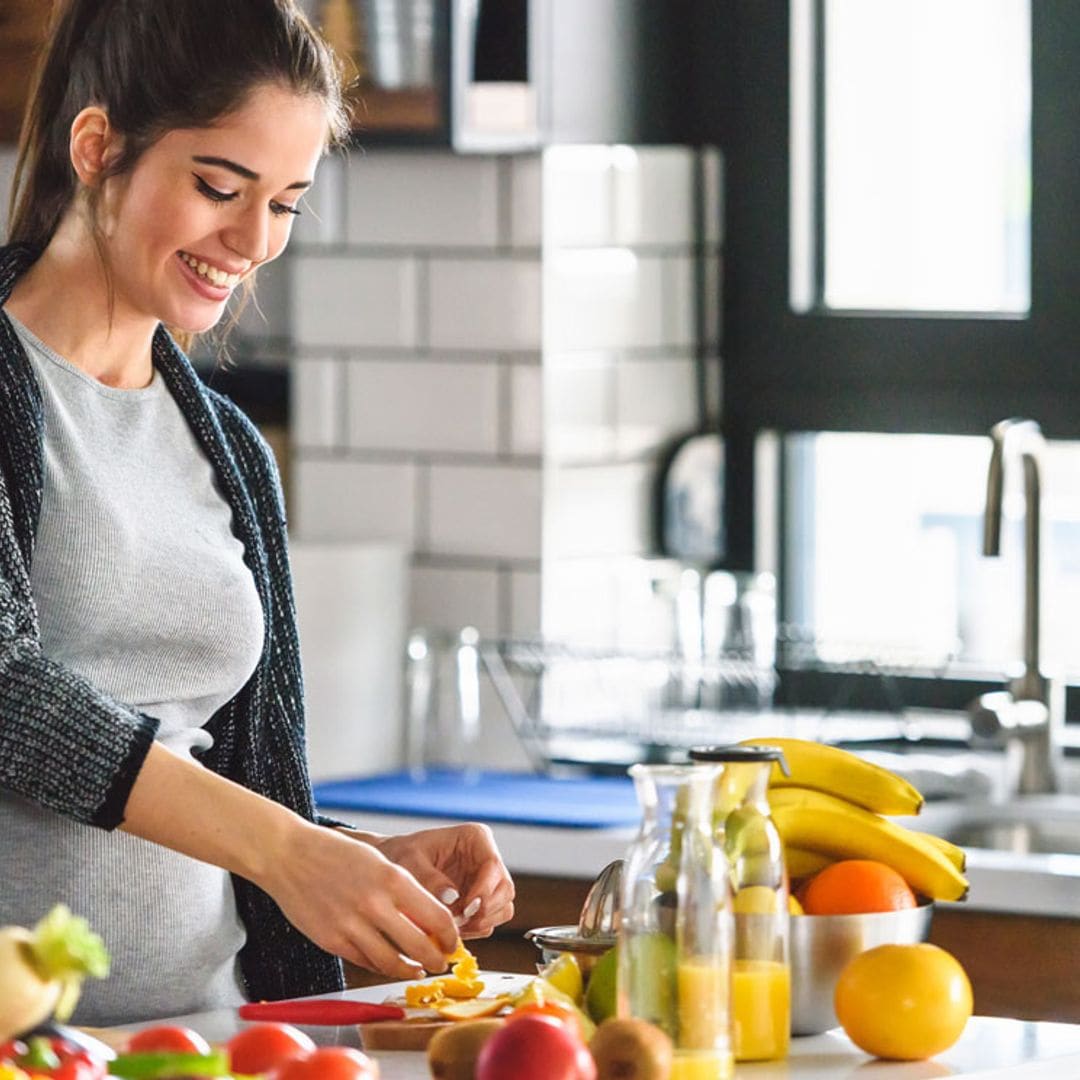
94, 145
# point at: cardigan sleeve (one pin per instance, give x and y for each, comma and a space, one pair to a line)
63, 743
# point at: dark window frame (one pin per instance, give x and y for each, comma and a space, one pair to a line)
938, 374
884, 372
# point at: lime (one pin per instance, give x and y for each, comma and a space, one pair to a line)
650, 972
600, 993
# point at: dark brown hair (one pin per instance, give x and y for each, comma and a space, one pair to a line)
155, 66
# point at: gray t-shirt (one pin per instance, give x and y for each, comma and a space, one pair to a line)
141, 587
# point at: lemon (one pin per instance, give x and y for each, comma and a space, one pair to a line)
539, 991
755, 900
600, 993
794, 907
564, 974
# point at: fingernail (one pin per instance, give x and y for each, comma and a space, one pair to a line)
449, 896
472, 909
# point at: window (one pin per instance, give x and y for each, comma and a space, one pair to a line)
868, 378
911, 164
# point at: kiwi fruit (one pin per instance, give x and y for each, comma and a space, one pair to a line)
452, 1053
631, 1049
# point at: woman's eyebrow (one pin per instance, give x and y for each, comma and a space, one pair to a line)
242, 170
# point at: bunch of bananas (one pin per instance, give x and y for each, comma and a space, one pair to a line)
836, 805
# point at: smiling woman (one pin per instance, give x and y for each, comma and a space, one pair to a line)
152, 761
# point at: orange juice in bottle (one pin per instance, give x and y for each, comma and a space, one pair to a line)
760, 1009
745, 832
704, 1015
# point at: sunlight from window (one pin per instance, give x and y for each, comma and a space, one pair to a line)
925, 131
885, 543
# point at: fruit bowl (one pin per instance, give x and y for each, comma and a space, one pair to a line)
822, 944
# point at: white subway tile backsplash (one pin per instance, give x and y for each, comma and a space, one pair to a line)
653, 196
354, 301
577, 196
580, 416
266, 313
316, 389
322, 217
606, 298
423, 406
598, 509
680, 300
655, 398
448, 598
526, 421
485, 304
526, 200
422, 200
491, 511
341, 499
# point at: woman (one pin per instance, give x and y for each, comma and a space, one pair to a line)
152, 770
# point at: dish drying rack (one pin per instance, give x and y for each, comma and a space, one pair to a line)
564, 699
575, 705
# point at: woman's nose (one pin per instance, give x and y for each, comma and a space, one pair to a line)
249, 236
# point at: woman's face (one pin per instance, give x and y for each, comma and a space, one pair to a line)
203, 207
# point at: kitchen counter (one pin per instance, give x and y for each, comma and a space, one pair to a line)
1046, 885
989, 1047
572, 828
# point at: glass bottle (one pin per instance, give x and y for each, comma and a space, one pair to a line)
675, 932
745, 832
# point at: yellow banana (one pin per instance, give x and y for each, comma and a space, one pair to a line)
956, 855
802, 863
842, 773
816, 821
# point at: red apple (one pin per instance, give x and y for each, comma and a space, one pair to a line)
535, 1047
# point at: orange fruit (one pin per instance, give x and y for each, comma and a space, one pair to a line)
905, 1002
854, 887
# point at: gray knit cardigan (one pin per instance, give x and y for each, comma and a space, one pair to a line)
66, 745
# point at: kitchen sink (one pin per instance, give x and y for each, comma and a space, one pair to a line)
1029, 825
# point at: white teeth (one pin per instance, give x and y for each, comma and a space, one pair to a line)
211, 273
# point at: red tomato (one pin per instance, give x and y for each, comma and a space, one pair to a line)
331, 1063
168, 1039
263, 1047
535, 1047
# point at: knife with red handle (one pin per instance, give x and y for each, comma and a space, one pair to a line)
320, 1011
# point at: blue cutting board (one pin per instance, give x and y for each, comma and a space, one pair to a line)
587, 802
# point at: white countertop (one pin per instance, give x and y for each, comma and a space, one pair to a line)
1000, 881
989, 1047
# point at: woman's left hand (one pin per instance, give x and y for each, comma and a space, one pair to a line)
461, 866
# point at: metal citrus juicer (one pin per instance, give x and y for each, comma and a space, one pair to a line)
596, 927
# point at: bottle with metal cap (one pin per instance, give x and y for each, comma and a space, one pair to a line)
743, 828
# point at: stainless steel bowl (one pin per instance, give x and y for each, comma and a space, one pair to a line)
822, 944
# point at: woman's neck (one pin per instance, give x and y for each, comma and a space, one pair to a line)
64, 300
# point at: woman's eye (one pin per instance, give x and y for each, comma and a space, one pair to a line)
280, 209
212, 193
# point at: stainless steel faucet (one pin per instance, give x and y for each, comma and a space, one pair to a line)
1030, 712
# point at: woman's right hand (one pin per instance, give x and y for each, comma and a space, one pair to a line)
354, 902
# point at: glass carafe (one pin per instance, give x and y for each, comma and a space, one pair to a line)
745, 832
675, 933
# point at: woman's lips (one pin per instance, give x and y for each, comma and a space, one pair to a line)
201, 285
